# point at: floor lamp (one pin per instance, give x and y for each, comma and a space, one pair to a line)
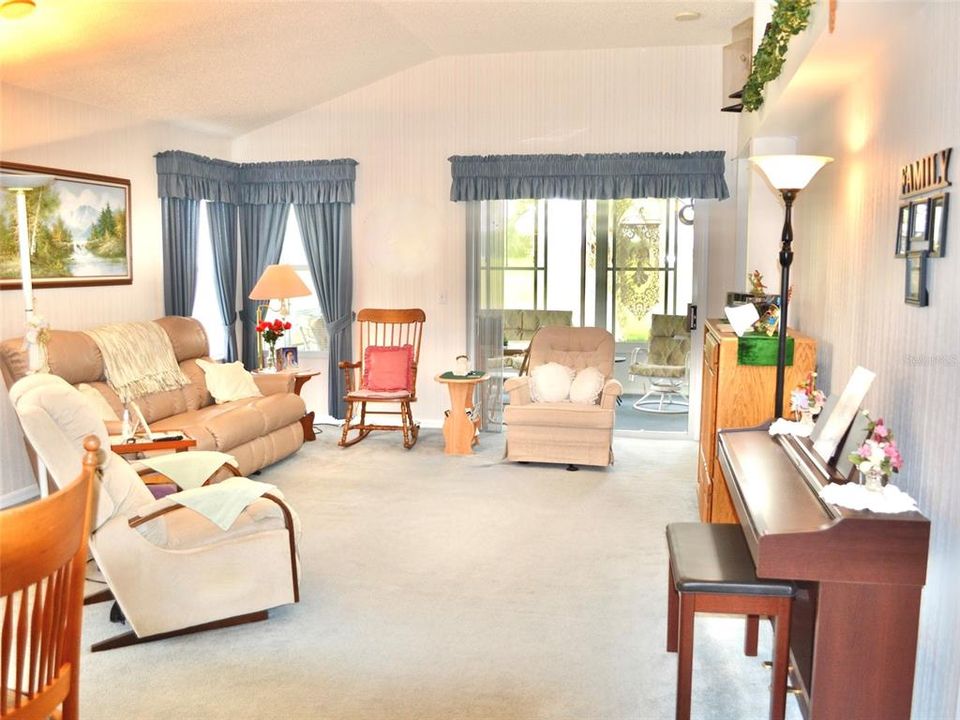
20, 185
34, 335
788, 174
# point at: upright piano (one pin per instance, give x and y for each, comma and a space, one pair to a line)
859, 576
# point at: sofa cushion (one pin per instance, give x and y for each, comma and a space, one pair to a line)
187, 336
228, 381
550, 382
224, 427
559, 414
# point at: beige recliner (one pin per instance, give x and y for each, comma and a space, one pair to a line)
170, 569
564, 432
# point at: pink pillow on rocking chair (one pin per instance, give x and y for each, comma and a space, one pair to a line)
388, 368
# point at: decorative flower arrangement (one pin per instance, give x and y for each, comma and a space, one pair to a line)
806, 399
879, 454
272, 331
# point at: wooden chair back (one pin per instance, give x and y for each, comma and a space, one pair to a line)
391, 328
43, 546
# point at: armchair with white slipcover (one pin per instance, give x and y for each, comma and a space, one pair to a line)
575, 433
171, 570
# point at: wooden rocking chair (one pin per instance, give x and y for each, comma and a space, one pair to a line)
386, 372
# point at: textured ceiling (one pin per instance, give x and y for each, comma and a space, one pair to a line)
231, 66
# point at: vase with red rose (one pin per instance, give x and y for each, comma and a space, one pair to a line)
271, 331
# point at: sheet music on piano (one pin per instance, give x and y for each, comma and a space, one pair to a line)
833, 424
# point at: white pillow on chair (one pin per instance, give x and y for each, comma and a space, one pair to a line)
550, 382
586, 386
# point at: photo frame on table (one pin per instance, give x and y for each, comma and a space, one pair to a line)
939, 204
915, 292
79, 230
903, 230
919, 226
287, 359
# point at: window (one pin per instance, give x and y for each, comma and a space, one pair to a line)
309, 329
206, 303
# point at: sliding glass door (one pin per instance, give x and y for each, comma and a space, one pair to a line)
613, 264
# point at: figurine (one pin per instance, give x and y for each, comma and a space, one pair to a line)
769, 323
463, 365
756, 284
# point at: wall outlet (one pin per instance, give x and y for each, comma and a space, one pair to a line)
443, 297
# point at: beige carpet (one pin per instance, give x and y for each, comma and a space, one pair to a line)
441, 588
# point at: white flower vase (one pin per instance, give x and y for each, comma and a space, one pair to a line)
873, 480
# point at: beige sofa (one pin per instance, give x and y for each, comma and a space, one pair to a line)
564, 432
258, 431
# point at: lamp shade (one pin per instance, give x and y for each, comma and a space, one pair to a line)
790, 172
279, 281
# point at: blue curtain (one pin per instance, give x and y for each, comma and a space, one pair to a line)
261, 239
327, 241
180, 223
585, 177
223, 236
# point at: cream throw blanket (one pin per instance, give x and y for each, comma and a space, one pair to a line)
222, 502
138, 359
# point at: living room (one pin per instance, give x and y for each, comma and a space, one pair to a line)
400, 88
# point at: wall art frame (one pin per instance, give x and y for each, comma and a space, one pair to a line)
915, 291
939, 207
79, 227
918, 237
903, 230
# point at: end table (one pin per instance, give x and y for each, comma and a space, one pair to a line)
459, 427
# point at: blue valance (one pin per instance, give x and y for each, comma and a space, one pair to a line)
584, 177
302, 182
185, 175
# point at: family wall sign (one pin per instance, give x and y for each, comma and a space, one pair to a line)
922, 224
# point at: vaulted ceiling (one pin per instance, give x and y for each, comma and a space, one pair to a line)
229, 66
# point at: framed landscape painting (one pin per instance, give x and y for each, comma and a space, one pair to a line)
78, 229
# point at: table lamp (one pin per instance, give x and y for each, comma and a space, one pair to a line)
278, 282
788, 174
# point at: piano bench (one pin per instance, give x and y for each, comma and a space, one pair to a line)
711, 570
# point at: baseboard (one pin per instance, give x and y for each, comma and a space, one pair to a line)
17, 497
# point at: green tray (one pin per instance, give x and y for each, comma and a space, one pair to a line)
760, 349
450, 375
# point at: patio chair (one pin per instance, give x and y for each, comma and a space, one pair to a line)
665, 366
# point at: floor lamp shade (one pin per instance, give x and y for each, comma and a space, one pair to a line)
789, 174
